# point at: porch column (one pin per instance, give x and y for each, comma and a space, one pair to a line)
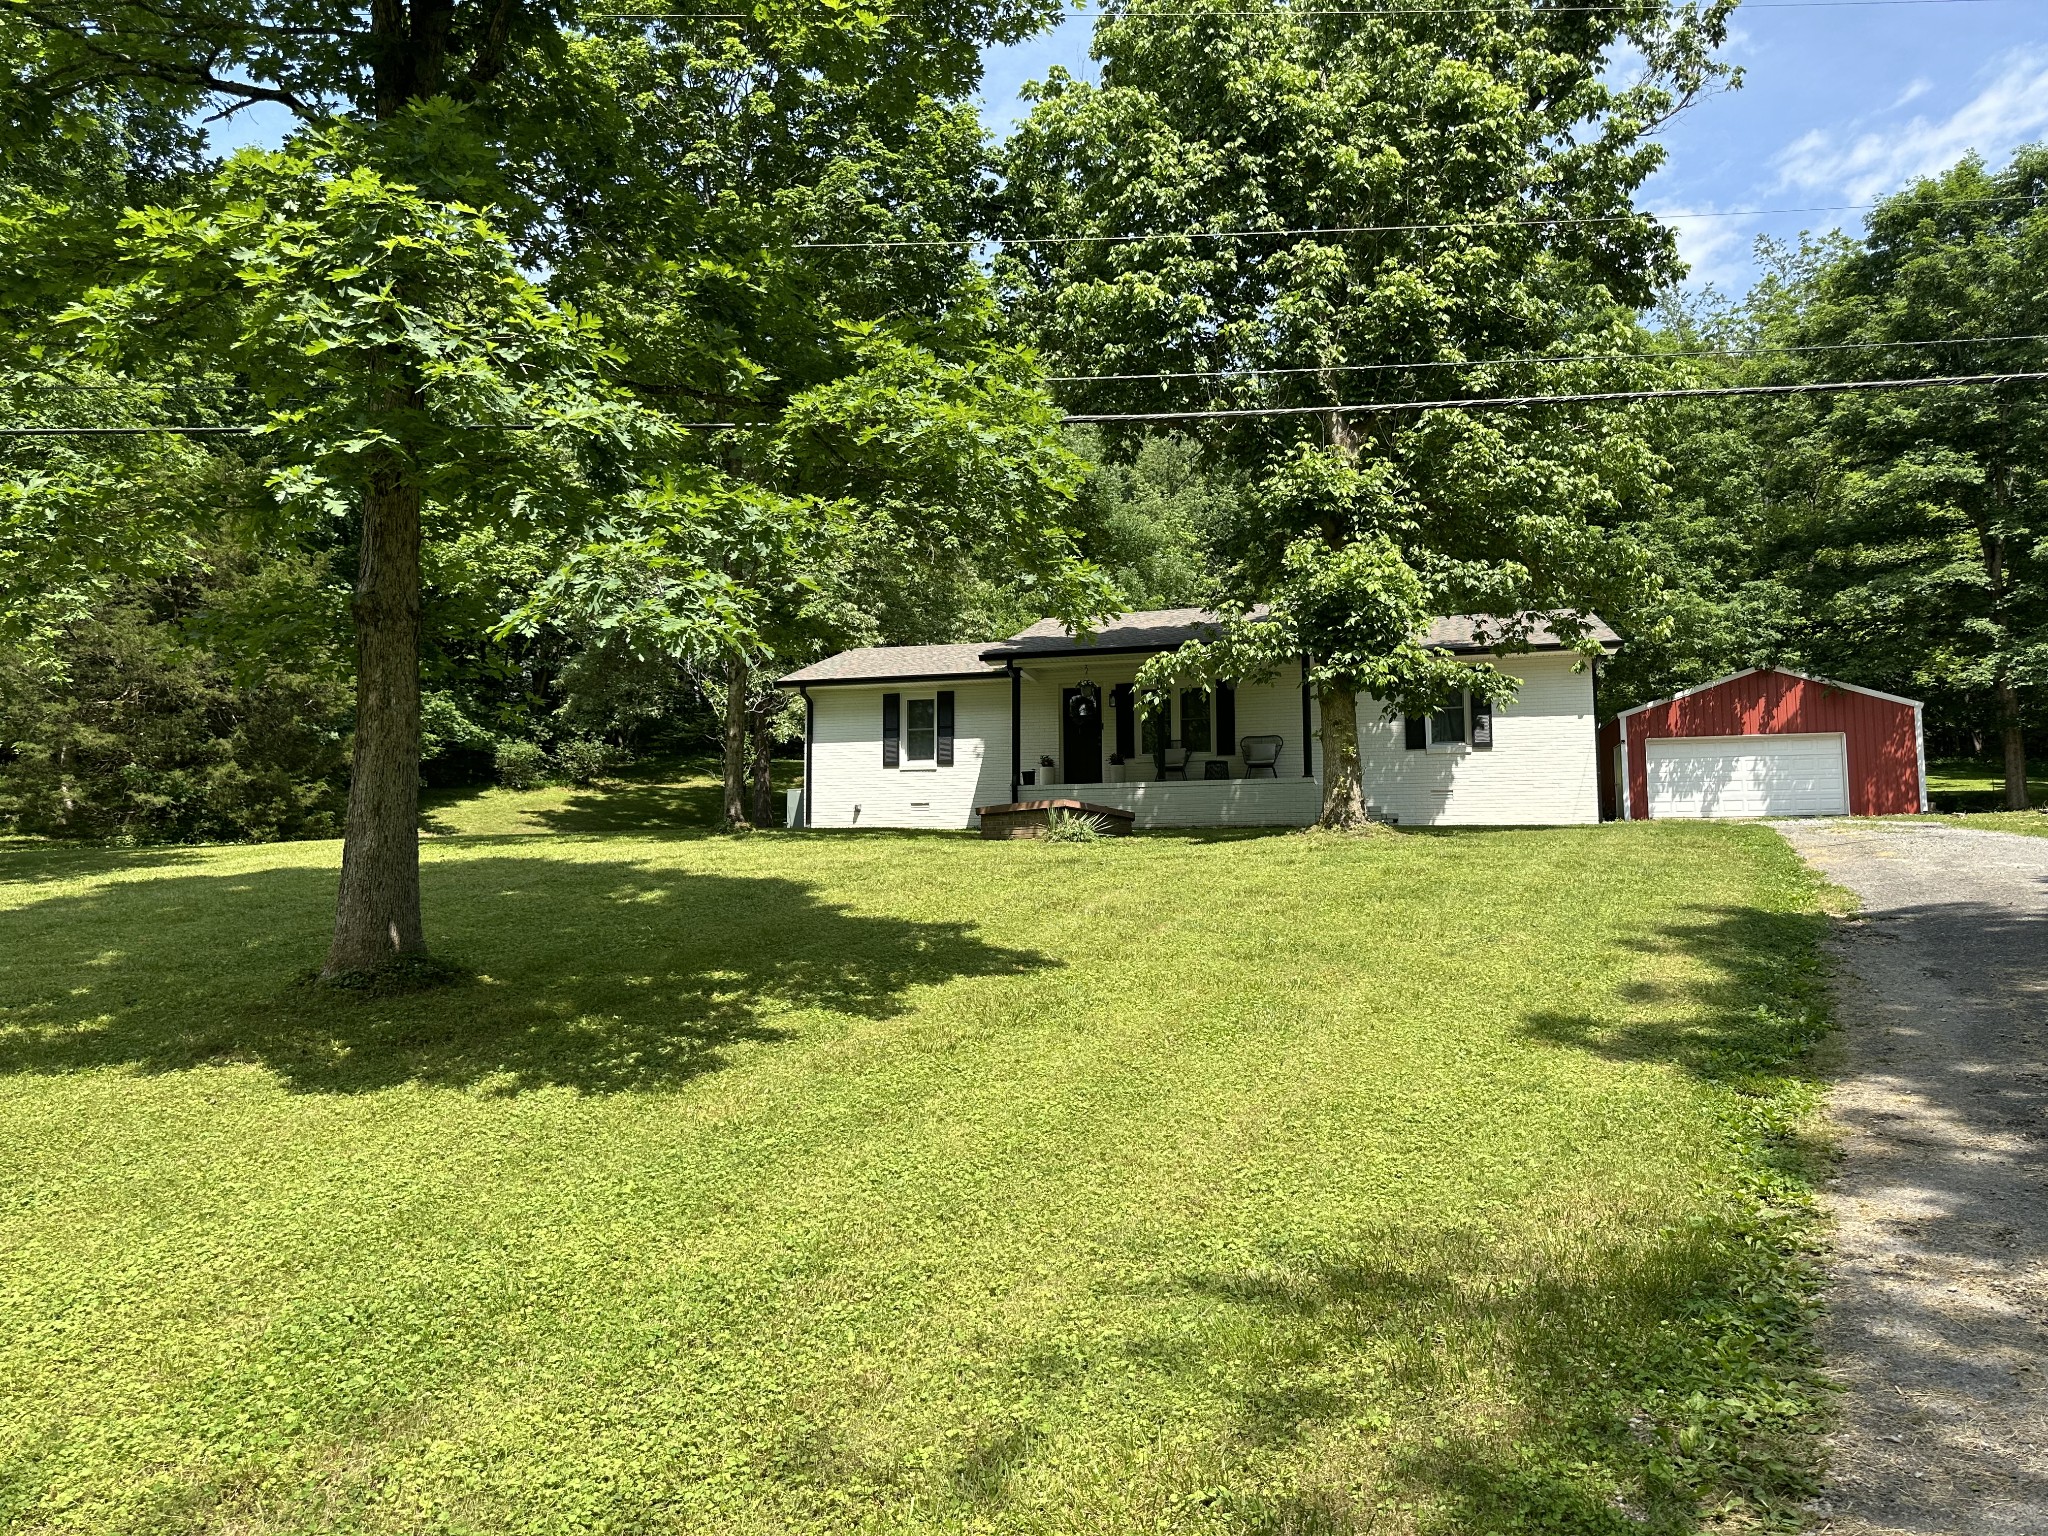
1308, 742
1016, 733
810, 731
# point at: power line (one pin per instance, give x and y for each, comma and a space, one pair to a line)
174, 429
1601, 397
1499, 362
1371, 408
1376, 10
1225, 373
1478, 221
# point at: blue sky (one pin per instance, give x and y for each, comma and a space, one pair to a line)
1838, 106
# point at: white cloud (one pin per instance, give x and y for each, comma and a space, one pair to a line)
1714, 246
2011, 109
1913, 92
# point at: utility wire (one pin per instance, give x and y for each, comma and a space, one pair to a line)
1477, 221
1371, 408
1119, 378
1145, 14
1500, 362
230, 431
1499, 401
29, 380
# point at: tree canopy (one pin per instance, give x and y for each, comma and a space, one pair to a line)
487, 292
1295, 212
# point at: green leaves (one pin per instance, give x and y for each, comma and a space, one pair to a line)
1278, 210
368, 320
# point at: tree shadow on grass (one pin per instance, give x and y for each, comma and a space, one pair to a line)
1749, 1013
1556, 1338
32, 862
1650, 1372
598, 976
637, 808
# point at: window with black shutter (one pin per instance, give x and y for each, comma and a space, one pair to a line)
1417, 732
1126, 721
892, 730
1226, 719
945, 728
1482, 724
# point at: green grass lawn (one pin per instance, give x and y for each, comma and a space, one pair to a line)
822, 1182
656, 796
1969, 784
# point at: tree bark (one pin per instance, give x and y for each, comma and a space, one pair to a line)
762, 719
736, 679
377, 914
2012, 730
1343, 784
377, 911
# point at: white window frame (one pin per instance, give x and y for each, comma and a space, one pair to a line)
1452, 748
921, 764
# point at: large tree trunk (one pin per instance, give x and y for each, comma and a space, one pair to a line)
762, 719
736, 735
377, 916
1343, 784
2014, 734
377, 913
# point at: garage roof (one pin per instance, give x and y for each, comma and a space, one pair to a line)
1736, 677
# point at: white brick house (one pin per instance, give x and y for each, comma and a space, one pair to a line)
926, 735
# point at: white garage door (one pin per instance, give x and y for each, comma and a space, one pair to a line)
1749, 775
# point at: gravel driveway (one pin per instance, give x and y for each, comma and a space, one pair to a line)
1939, 1298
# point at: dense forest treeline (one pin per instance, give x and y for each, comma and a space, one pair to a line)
181, 646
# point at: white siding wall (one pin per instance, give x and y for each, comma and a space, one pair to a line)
846, 759
1541, 770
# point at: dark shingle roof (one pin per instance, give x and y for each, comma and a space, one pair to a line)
1160, 629
1163, 628
1481, 631
896, 663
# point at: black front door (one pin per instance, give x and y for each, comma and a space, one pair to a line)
1081, 735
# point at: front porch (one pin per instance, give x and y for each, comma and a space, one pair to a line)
1202, 802
1077, 733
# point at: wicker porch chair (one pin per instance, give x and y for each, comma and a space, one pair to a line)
1261, 755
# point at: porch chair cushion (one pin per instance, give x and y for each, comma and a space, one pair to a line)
1173, 762
1261, 754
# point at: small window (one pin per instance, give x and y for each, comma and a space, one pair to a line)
921, 736
1448, 725
1194, 720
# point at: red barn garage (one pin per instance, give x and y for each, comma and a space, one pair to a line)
1765, 743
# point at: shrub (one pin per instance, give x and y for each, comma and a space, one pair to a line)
1073, 827
521, 765
581, 760
126, 721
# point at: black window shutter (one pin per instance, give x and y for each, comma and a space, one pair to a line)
1481, 734
1418, 732
1126, 721
892, 730
945, 714
1226, 719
